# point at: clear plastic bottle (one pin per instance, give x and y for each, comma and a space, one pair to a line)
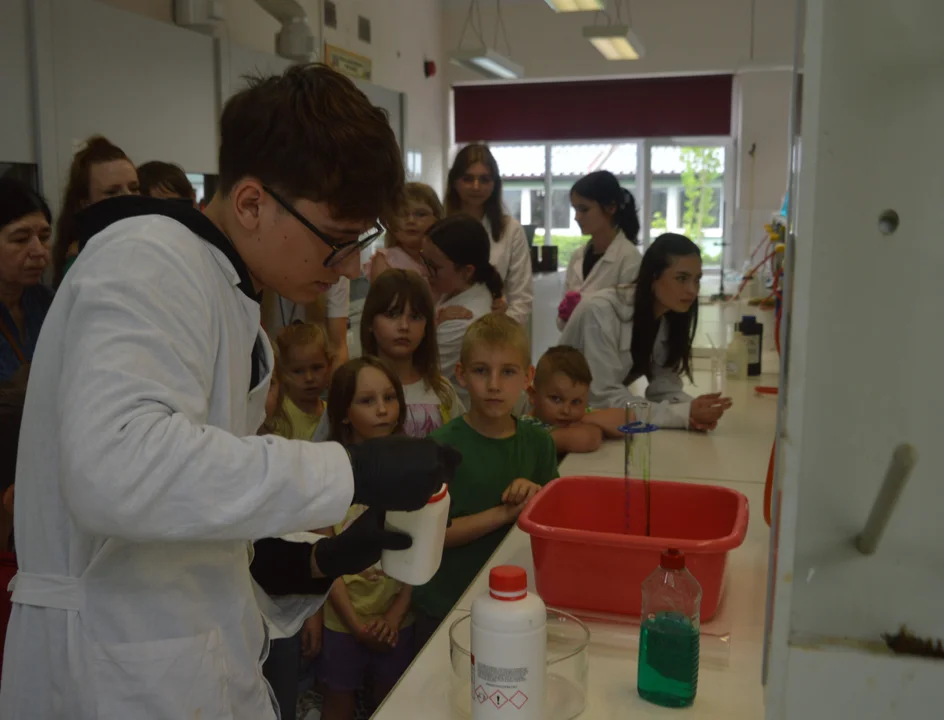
669, 635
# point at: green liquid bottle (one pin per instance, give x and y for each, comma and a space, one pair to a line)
669, 636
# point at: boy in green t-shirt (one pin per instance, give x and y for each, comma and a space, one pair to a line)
505, 461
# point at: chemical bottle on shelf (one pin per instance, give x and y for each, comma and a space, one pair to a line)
753, 333
427, 526
509, 649
669, 635
735, 358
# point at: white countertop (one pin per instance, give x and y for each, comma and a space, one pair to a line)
734, 456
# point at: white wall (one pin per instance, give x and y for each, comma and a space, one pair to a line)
680, 37
147, 86
865, 352
404, 33
17, 140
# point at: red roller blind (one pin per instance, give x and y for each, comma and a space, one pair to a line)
649, 107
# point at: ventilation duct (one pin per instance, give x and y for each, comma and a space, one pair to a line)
295, 39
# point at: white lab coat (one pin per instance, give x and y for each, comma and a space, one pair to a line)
140, 482
602, 329
618, 266
478, 300
511, 256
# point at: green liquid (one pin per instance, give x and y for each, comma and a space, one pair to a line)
668, 660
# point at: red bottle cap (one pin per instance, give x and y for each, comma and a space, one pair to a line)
507, 582
443, 491
673, 560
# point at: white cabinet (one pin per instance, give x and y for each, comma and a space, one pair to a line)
866, 356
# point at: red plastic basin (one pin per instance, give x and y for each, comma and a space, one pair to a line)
590, 548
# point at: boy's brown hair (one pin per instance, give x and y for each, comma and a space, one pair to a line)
310, 133
563, 359
158, 175
496, 330
341, 395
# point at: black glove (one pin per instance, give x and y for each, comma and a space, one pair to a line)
399, 472
359, 546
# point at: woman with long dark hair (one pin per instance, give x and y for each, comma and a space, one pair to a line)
474, 187
647, 331
607, 213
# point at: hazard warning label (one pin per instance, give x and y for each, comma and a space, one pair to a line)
480, 694
519, 699
498, 699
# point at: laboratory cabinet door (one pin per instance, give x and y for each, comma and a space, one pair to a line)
865, 369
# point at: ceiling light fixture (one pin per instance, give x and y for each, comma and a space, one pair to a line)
487, 62
615, 42
575, 5
484, 58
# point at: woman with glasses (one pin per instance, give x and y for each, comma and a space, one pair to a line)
403, 243
142, 481
475, 188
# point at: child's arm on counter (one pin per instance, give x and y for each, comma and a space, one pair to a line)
470, 528
580, 437
609, 420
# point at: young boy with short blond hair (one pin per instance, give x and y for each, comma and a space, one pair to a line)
505, 461
558, 398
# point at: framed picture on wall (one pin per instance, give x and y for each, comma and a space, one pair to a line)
349, 63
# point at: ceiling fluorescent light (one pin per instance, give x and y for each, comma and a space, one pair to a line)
615, 42
575, 5
487, 62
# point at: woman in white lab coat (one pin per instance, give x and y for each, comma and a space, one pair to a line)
456, 254
141, 481
607, 213
474, 187
646, 330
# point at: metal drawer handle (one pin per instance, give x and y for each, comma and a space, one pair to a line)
899, 470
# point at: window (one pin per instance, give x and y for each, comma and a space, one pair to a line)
561, 212
688, 184
512, 200
705, 203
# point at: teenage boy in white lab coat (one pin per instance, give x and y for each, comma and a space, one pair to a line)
140, 479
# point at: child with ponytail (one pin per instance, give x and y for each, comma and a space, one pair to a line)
456, 253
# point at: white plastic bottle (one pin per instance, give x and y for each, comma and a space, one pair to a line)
417, 564
735, 357
509, 649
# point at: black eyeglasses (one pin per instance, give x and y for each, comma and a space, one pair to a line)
340, 251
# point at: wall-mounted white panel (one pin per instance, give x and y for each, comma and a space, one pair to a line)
146, 85
17, 142
236, 62
389, 100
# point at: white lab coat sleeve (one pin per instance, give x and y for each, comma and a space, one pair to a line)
138, 459
519, 284
598, 340
573, 280
629, 269
671, 406
449, 335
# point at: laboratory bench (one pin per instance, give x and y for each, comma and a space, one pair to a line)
734, 456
